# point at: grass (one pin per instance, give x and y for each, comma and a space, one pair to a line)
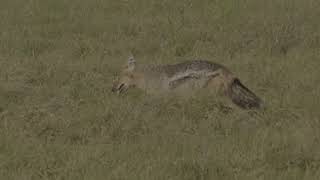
59, 120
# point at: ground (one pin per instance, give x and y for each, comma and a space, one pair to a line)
59, 119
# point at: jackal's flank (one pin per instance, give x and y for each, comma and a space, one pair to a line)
169, 77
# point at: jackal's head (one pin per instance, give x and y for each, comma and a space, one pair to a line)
127, 77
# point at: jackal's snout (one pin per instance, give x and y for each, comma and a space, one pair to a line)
126, 78
118, 88
122, 83
114, 89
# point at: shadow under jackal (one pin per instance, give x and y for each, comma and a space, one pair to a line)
197, 73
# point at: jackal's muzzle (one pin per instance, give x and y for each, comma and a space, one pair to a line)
119, 88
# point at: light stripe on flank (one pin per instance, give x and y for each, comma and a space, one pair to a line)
193, 74
184, 77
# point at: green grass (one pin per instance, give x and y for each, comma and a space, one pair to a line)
59, 120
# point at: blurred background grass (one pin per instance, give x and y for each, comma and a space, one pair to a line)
59, 120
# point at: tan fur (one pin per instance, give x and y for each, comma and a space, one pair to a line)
187, 75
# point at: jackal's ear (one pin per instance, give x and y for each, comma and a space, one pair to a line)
131, 63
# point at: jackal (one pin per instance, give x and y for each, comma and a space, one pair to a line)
199, 73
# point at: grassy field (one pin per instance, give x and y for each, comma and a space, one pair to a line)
59, 119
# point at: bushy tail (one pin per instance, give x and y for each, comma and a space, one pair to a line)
242, 96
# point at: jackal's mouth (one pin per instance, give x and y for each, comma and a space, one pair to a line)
119, 89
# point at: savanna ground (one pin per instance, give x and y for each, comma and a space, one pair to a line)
59, 120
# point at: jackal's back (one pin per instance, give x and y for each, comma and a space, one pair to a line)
200, 67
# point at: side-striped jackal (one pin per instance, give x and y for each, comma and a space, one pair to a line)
168, 77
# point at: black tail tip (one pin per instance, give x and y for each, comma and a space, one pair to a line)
243, 97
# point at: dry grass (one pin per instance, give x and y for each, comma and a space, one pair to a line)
59, 120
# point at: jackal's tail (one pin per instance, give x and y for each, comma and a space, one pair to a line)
242, 96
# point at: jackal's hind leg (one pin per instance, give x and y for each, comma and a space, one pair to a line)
209, 80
